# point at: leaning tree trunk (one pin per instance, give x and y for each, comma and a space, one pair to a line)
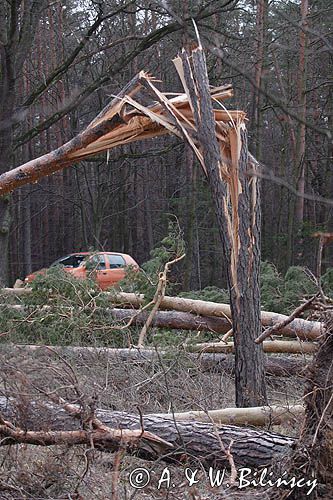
313, 456
317, 434
237, 206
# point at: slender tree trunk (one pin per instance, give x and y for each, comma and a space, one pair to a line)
7, 106
190, 201
262, 6
301, 139
147, 188
328, 176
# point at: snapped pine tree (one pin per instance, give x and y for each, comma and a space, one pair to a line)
218, 138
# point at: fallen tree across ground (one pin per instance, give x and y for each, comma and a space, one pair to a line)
307, 330
184, 321
162, 319
256, 415
197, 315
182, 441
207, 362
274, 366
272, 346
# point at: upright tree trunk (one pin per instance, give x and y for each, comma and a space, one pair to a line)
286, 199
245, 303
149, 237
237, 208
301, 142
328, 175
7, 106
189, 209
260, 54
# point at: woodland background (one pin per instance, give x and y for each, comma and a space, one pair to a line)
61, 62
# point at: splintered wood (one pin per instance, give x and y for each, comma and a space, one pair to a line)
125, 120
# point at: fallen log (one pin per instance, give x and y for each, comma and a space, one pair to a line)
279, 326
210, 316
206, 362
14, 292
257, 416
307, 330
189, 440
162, 319
187, 321
272, 346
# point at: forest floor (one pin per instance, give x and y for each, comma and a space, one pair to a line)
59, 472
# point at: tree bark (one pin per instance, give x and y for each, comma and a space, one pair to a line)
273, 346
207, 313
314, 452
191, 440
7, 106
245, 299
307, 330
58, 159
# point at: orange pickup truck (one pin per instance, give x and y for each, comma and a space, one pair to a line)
107, 268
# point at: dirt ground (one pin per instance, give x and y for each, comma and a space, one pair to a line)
60, 472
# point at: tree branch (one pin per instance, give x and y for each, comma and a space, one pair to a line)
62, 68
112, 70
219, 53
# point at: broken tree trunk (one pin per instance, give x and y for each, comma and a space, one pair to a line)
114, 126
190, 440
60, 158
237, 207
